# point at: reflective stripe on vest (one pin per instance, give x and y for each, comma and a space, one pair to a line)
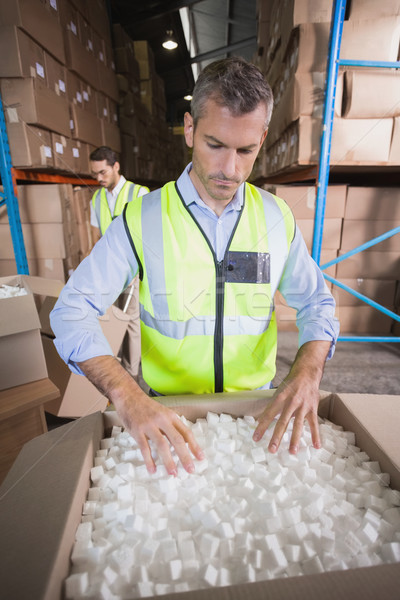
208, 326
104, 218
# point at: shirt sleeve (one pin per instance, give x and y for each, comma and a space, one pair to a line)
303, 287
92, 288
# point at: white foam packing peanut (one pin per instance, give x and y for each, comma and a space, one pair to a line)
244, 515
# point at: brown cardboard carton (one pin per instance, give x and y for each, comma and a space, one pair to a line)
371, 94
79, 59
331, 233
373, 264
21, 352
49, 514
56, 75
42, 240
369, 9
356, 233
49, 268
43, 203
380, 290
371, 39
39, 19
86, 126
78, 397
372, 203
30, 101
394, 154
30, 146
62, 152
20, 56
363, 319
301, 199
111, 135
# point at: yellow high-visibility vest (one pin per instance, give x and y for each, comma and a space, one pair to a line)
128, 192
207, 325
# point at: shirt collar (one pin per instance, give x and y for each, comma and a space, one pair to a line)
190, 195
118, 187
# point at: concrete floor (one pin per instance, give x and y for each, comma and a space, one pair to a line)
364, 367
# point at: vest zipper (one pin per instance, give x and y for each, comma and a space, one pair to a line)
219, 328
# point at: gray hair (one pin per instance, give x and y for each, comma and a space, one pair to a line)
234, 83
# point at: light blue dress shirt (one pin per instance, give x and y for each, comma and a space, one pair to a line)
111, 266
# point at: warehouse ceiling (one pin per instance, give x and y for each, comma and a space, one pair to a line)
212, 28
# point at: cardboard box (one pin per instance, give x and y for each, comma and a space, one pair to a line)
21, 352
78, 397
301, 199
371, 39
371, 94
363, 320
43, 203
394, 154
380, 290
368, 9
111, 135
372, 203
42, 240
48, 514
49, 268
38, 19
30, 101
376, 265
353, 235
79, 59
331, 235
86, 126
20, 56
30, 146
22, 418
56, 74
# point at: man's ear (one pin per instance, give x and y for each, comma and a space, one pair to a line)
117, 166
188, 128
264, 135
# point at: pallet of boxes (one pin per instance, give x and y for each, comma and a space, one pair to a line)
293, 42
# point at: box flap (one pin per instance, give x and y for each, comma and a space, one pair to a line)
375, 419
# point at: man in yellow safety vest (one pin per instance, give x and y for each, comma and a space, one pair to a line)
107, 203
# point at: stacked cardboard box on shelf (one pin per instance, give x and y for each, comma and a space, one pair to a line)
350, 221
56, 228
56, 58
374, 272
150, 150
294, 60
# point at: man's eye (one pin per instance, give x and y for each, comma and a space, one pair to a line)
213, 145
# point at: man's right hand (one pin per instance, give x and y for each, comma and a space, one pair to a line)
144, 418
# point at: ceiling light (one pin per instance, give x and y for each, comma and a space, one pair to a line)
187, 97
170, 43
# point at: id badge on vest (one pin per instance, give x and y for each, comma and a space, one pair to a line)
247, 267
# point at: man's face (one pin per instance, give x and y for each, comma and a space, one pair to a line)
224, 150
106, 175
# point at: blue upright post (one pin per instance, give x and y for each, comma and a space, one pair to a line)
335, 39
11, 198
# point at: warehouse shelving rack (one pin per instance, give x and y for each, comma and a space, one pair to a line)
9, 177
333, 63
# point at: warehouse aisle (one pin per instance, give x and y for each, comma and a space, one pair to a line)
364, 367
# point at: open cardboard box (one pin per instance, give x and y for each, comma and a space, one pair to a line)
43, 495
21, 352
79, 397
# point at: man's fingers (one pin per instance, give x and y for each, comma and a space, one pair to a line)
146, 453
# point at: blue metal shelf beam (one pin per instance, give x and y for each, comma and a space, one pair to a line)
10, 198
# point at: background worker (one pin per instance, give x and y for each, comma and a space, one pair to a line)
211, 250
108, 203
